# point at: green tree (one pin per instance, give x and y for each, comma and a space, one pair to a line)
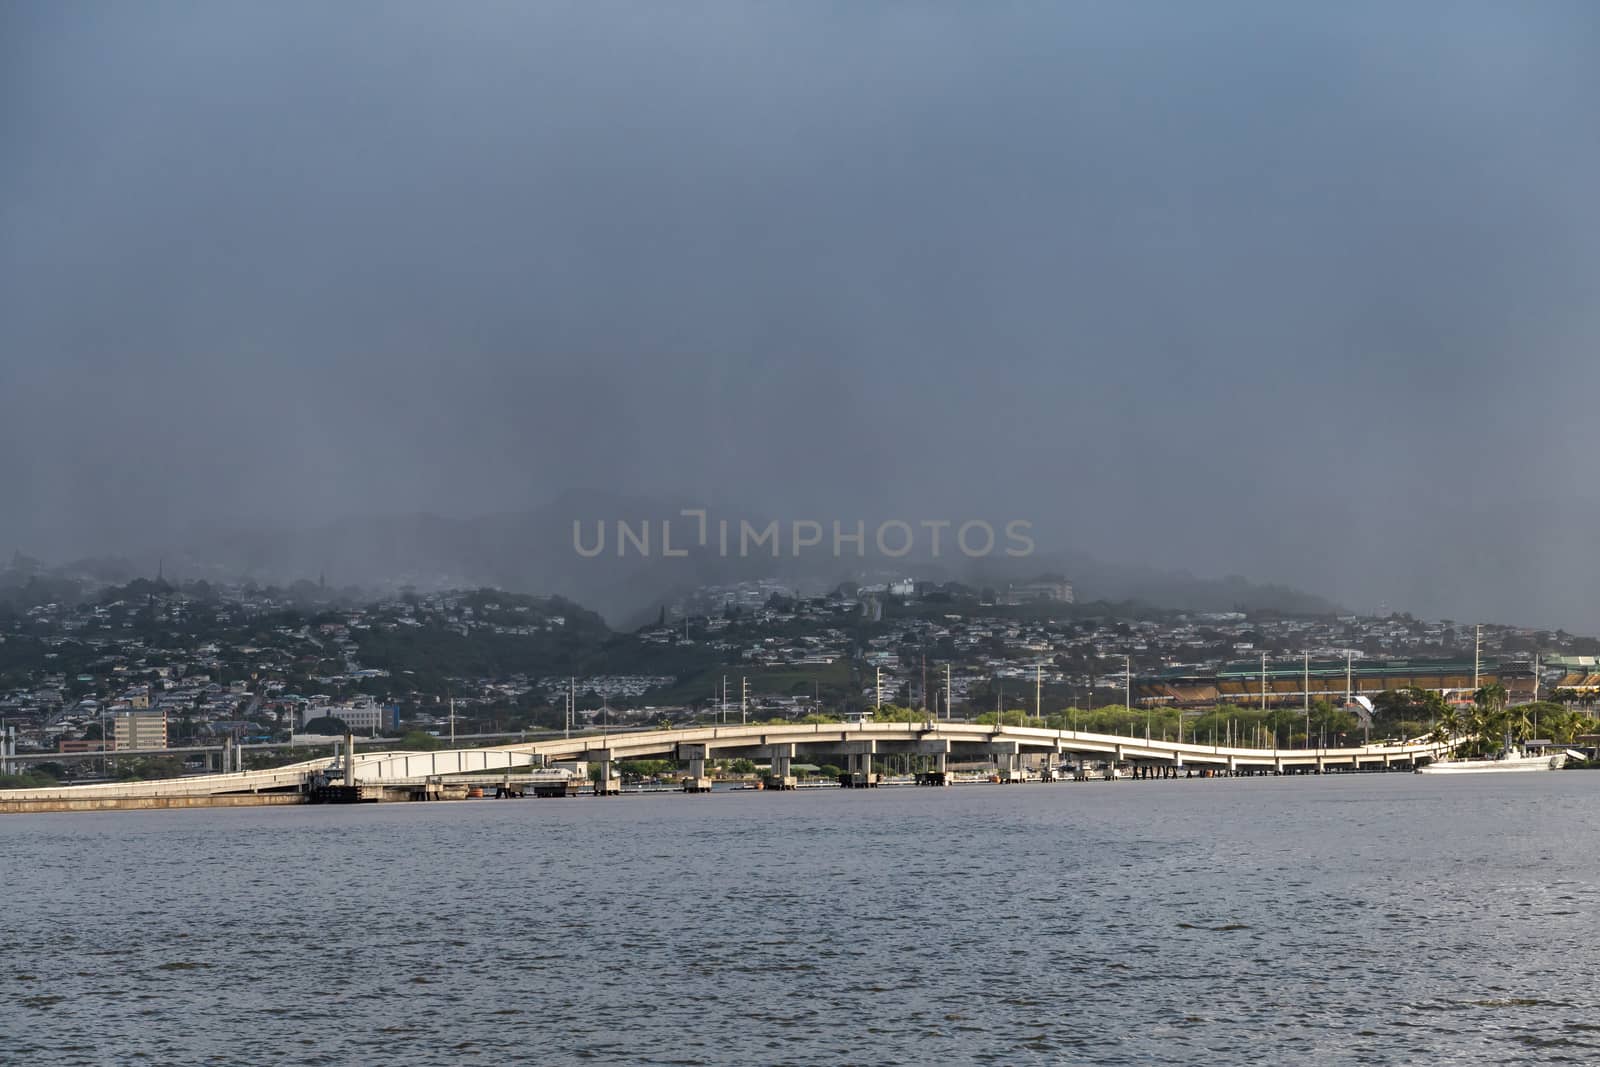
1448, 727
326, 724
636, 769
418, 741
896, 713
27, 780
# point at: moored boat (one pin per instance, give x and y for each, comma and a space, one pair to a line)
1510, 759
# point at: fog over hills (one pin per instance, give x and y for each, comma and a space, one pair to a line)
535, 551
1304, 294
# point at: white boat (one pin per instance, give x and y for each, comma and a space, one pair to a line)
1101, 771
1510, 759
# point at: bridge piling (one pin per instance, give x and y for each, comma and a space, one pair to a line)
695, 756
782, 758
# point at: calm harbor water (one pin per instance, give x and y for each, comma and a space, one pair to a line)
1361, 919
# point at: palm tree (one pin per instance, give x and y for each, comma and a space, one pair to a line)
1517, 722
1563, 726
1448, 727
1485, 725
1491, 696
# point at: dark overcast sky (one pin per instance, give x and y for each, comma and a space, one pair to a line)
1302, 292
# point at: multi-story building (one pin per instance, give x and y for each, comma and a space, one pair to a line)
139, 729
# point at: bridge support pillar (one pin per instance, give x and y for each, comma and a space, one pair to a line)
780, 777
605, 785
937, 770
695, 756
1007, 760
349, 759
858, 765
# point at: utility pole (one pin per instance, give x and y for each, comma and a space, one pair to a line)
724, 700
1306, 685
1536, 682
452, 722
947, 692
1127, 682
572, 704
1349, 693
744, 700
1350, 700
879, 690
1263, 683
1477, 656
1038, 692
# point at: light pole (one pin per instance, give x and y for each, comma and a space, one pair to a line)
1127, 683
1477, 657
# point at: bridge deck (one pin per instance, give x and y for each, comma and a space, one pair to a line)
955, 738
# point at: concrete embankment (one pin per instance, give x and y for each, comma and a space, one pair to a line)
241, 800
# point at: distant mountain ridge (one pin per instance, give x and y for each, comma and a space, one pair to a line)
533, 551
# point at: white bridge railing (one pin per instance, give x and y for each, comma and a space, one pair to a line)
957, 738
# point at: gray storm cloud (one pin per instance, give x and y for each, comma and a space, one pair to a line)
1304, 294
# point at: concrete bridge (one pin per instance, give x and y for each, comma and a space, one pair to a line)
853, 745
850, 745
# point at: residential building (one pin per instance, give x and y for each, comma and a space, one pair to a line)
139, 729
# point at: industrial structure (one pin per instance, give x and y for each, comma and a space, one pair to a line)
1252, 683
